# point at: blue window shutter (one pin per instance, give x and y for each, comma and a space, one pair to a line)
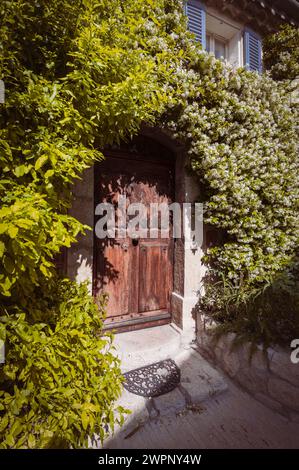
252, 52
196, 20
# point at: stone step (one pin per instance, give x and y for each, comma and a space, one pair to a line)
143, 347
199, 380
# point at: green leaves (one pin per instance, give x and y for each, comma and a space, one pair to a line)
2, 249
281, 53
12, 231
30, 235
92, 74
31, 442
4, 423
85, 420
41, 161
59, 394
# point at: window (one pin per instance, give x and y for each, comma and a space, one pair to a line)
217, 45
224, 37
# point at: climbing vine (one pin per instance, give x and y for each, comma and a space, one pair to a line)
241, 138
240, 133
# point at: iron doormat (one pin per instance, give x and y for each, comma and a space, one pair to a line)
153, 380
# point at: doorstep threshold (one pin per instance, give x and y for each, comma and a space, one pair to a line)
137, 321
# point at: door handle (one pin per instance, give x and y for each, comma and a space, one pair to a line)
135, 241
125, 246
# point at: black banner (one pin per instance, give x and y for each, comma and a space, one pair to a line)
131, 459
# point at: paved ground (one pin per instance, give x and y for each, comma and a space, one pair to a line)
207, 411
233, 420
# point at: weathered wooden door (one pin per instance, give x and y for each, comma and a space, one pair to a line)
136, 273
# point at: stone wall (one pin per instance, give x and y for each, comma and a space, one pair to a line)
269, 375
189, 269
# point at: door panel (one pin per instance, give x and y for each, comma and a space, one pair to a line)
115, 259
136, 274
153, 277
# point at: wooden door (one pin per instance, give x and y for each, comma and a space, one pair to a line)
136, 273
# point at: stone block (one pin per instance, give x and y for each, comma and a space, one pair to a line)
294, 417
231, 363
282, 366
284, 392
269, 402
205, 346
254, 380
259, 361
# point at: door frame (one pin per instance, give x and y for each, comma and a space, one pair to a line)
189, 268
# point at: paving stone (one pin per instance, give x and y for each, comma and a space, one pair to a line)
198, 378
234, 421
143, 347
153, 412
170, 403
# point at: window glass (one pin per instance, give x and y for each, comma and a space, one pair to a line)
219, 49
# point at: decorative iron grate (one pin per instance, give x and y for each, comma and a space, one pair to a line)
153, 380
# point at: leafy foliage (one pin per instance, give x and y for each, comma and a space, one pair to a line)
31, 233
78, 76
60, 377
